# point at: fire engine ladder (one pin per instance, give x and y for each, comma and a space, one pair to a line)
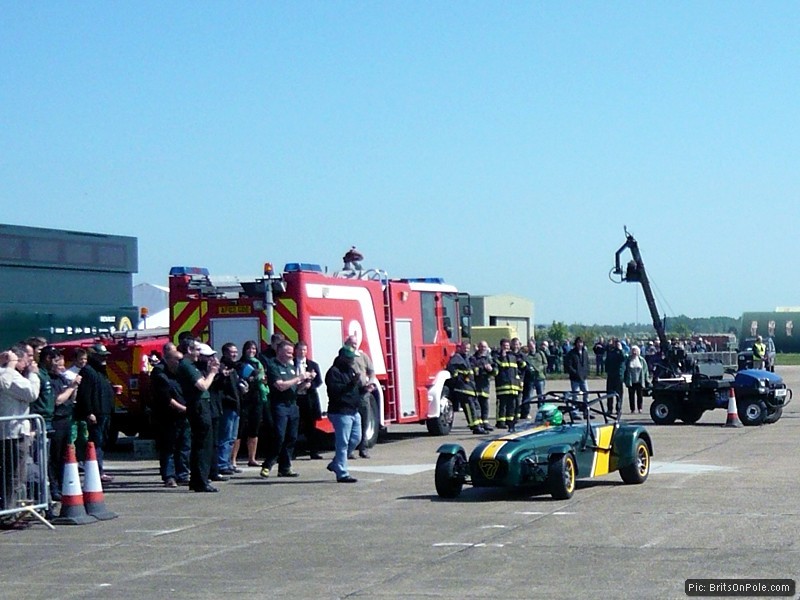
390, 399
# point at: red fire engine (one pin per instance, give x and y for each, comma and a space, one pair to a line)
409, 327
128, 368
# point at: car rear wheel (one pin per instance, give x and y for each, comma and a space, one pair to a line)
562, 477
449, 478
663, 412
442, 424
752, 412
640, 469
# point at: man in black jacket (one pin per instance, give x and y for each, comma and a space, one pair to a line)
308, 398
172, 426
230, 388
576, 364
344, 398
95, 402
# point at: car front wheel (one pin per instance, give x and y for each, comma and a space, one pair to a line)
640, 469
562, 477
449, 479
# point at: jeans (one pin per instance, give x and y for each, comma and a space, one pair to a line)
228, 430
347, 435
286, 422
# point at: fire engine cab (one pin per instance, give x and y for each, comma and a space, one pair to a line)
408, 327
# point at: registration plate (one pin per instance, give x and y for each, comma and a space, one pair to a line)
781, 393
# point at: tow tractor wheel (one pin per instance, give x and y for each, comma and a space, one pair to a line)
663, 412
691, 415
752, 412
774, 415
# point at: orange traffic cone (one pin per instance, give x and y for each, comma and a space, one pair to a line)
72, 509
93, 488
733, 412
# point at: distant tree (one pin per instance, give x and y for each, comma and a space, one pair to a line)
558, 332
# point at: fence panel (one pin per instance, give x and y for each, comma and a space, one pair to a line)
24, 486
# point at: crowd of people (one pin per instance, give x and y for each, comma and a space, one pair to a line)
204, 407
520, 375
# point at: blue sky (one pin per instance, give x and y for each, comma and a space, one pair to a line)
501, 145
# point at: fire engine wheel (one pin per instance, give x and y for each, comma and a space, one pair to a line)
373, 425
663, 412
442, 424
753, 412
449, 480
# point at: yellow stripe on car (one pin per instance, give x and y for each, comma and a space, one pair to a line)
602, 456
492, 449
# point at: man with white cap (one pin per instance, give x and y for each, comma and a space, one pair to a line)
195, 386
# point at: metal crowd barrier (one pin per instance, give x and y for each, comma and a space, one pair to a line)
24, 486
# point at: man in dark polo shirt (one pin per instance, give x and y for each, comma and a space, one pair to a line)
283, 383
195, 387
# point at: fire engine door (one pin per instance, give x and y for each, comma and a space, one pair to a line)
406, 393
237, 330
324, 345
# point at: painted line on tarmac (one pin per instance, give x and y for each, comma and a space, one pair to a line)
671, 468
559, 513
392, 469
466, 545
160, 532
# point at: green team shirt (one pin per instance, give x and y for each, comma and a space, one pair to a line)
188, 375
280, 372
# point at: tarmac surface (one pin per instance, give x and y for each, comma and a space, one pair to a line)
719, 503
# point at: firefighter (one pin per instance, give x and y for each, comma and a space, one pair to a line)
483, 368
506, 386
462, 386
516, 349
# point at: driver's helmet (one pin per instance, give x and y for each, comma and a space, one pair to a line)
549, 414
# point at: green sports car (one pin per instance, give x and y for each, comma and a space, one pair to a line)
568, 439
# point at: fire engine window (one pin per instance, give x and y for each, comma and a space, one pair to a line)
429, 325
450, 314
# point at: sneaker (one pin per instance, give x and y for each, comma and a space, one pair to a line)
227, 472
289, 473
265, 472
330, 468
171, 483
106, 478
316, 456
347, 479
218, 478
363, 454
236, 469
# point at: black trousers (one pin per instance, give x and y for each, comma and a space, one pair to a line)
308, 421
201, 455
62, 432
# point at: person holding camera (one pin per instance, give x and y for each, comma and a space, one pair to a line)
343, 383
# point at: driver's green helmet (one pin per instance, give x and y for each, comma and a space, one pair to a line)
549, 413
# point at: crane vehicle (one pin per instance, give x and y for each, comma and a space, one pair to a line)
683, 389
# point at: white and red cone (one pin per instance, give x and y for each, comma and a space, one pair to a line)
733, 412
93, 497
72, 510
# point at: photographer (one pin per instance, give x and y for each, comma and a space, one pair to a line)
344, 398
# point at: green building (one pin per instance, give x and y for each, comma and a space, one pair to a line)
780, 325
64, 284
